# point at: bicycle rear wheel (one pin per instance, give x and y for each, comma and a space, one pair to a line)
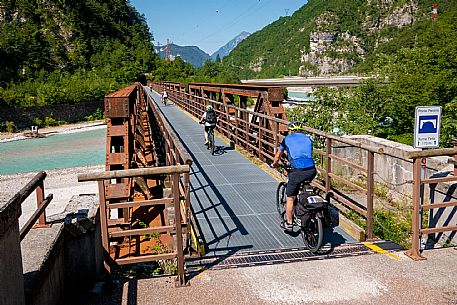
313, 234
211, 143
281, 202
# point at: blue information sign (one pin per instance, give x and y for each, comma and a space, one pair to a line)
427, 127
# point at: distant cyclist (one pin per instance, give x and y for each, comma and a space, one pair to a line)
164, 97
299, 150
210, 119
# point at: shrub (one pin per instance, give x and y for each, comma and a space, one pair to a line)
50, 121
37, 122
97, 115
10, 127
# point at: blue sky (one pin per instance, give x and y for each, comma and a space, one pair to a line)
210, 24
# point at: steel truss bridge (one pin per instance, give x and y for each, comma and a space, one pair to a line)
216, 211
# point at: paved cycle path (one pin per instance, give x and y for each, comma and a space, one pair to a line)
233, 200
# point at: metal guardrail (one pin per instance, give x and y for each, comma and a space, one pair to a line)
260, 142
419, 161
176, 153
260, 139
143, 153
177, 228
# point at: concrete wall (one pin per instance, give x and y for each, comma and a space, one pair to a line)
53, 265
11, 281
62, 261
83, 256
392, 168
44, 265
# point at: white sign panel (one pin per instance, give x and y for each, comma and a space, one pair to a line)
427, 127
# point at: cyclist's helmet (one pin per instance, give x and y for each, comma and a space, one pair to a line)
209, 108
294, 125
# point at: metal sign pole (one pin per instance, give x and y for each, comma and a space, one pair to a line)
422, 195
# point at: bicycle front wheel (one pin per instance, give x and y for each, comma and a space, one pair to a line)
281, 202
313, 234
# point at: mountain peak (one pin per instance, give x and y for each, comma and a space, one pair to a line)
227, 48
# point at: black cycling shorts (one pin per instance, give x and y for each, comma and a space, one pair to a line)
208, 127
296, 177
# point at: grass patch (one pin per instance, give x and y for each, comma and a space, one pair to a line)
388, 224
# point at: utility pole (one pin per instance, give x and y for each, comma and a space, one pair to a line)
435, 11
287, 11
168, 49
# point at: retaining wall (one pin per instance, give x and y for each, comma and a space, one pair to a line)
23, 117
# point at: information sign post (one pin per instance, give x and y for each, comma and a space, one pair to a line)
427, 127
426, 135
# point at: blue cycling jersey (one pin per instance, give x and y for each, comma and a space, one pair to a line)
299, 149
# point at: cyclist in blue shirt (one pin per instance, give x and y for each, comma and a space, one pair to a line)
299, 150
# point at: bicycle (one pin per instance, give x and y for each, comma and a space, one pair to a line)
309, 216
211, 143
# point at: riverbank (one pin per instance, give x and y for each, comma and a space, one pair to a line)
61, 182
47, 131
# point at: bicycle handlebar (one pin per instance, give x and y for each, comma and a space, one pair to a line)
286, 166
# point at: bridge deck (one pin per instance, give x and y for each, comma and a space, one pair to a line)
233, 199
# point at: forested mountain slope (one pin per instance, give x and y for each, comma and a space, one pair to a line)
57, 51
410, 58
336, 36
191, 54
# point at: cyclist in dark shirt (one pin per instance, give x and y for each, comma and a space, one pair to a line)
299, 150
209, 118
164, 97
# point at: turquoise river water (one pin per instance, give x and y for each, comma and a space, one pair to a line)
56, 151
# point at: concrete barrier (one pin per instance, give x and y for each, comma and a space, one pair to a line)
392, 169
51, 265
62, 261
12, 284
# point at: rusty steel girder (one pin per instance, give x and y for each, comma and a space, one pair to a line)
268, 98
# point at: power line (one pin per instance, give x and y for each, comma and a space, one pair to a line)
234, 20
